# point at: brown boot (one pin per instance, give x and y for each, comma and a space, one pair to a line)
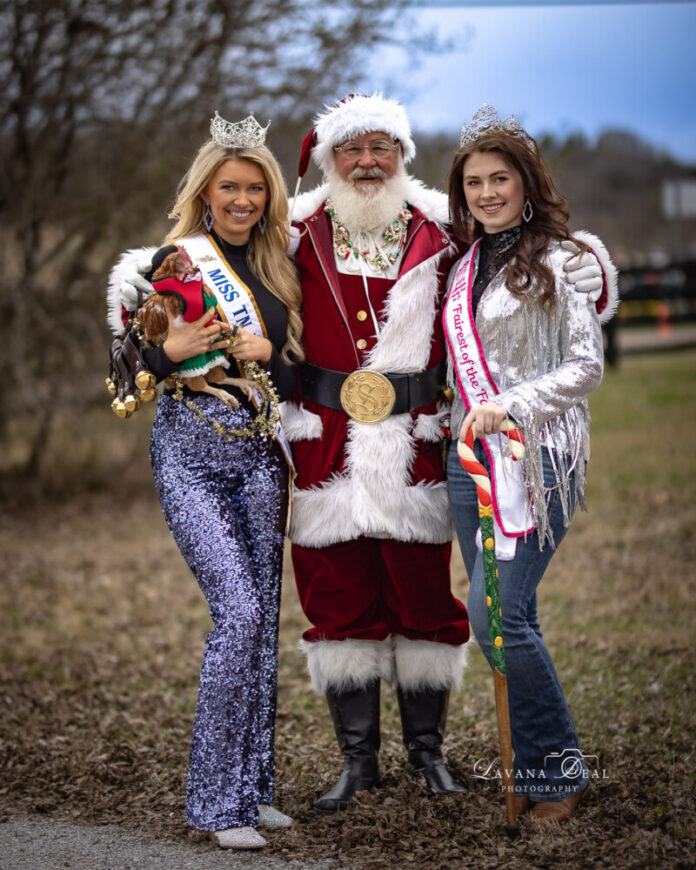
559, 811
522, 804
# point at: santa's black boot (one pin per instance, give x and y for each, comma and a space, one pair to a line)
423, 717
355, 714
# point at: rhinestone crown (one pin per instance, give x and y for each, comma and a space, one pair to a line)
487, 120
244, 134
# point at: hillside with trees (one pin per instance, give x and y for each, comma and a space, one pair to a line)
613, 187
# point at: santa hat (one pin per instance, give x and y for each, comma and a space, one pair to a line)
357, 114
352, 116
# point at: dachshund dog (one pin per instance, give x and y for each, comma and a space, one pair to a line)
181, 294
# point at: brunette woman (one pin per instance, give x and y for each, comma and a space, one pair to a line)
525, 347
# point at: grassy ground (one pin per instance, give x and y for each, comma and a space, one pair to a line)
102, 628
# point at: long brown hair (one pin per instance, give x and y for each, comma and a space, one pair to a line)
267, 255
549, 222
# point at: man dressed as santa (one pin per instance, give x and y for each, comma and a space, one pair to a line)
371, 526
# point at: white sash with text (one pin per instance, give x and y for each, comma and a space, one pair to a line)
511, 512
235, 300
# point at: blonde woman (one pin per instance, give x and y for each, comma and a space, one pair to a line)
224, 487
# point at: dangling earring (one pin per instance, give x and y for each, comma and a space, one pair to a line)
208, 218
470, 222
527, 211
262, 224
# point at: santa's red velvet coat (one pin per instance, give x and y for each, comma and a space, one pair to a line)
382, 480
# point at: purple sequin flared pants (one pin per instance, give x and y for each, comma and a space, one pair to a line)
225, 503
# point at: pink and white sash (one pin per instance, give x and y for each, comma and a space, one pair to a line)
511, 511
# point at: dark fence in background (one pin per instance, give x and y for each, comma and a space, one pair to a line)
663, 298
664, 294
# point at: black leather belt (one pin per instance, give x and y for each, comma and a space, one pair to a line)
366, 395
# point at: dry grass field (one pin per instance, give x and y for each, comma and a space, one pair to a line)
102, 629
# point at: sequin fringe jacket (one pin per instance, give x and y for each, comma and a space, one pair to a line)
545, 363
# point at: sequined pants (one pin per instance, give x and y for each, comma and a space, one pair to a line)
225, 503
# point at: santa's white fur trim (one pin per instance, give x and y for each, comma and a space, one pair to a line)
424, 664
355, 116
432, 203
299, 424
428, 427
405, 340
611, 274
343, 509
348, 664
126, 275
373, 496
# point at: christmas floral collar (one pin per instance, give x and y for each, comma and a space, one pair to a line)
377, 255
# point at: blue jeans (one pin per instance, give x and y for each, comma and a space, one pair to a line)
548, 763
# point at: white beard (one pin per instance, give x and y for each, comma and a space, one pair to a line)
362, 211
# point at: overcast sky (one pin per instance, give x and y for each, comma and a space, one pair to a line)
559, 67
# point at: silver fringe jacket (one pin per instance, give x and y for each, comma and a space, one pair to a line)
545, 363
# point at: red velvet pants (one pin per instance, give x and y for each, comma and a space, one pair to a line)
370, 587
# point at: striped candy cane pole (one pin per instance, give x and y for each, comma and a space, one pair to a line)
479, 475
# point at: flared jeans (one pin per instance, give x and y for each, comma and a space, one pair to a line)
548, 764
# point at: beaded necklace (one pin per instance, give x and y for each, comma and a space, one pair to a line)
383, 256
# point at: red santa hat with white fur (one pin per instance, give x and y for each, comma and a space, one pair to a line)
352, 116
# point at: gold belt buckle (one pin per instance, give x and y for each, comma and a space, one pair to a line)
367, 396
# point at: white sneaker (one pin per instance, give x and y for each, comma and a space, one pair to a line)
239, 838
270, 817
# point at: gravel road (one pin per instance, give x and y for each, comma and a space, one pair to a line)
42, 844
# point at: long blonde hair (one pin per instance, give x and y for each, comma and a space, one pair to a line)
267, 253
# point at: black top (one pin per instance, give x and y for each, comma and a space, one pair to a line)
273, 313
494, 252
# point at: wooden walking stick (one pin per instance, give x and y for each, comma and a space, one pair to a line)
478, 473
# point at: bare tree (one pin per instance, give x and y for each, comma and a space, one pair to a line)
103, 103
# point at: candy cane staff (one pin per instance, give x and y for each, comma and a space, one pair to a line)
479, 475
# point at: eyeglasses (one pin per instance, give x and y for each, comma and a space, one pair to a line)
379, 149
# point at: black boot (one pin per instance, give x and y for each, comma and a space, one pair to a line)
355, 716
423, 717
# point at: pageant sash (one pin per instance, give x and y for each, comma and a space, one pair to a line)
511, 513
235, 301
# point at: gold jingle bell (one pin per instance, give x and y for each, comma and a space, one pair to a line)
148, 395
110, 386
131, 402
144, 380
119, 408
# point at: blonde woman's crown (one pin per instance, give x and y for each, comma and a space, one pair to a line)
487, 120
242, 134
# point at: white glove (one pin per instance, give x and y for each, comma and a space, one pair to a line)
124, 280
583, 271
129, 290
127, 276
295, 236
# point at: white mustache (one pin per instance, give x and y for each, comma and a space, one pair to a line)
375, 172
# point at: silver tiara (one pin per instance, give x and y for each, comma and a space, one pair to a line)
487, 120
244, 134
